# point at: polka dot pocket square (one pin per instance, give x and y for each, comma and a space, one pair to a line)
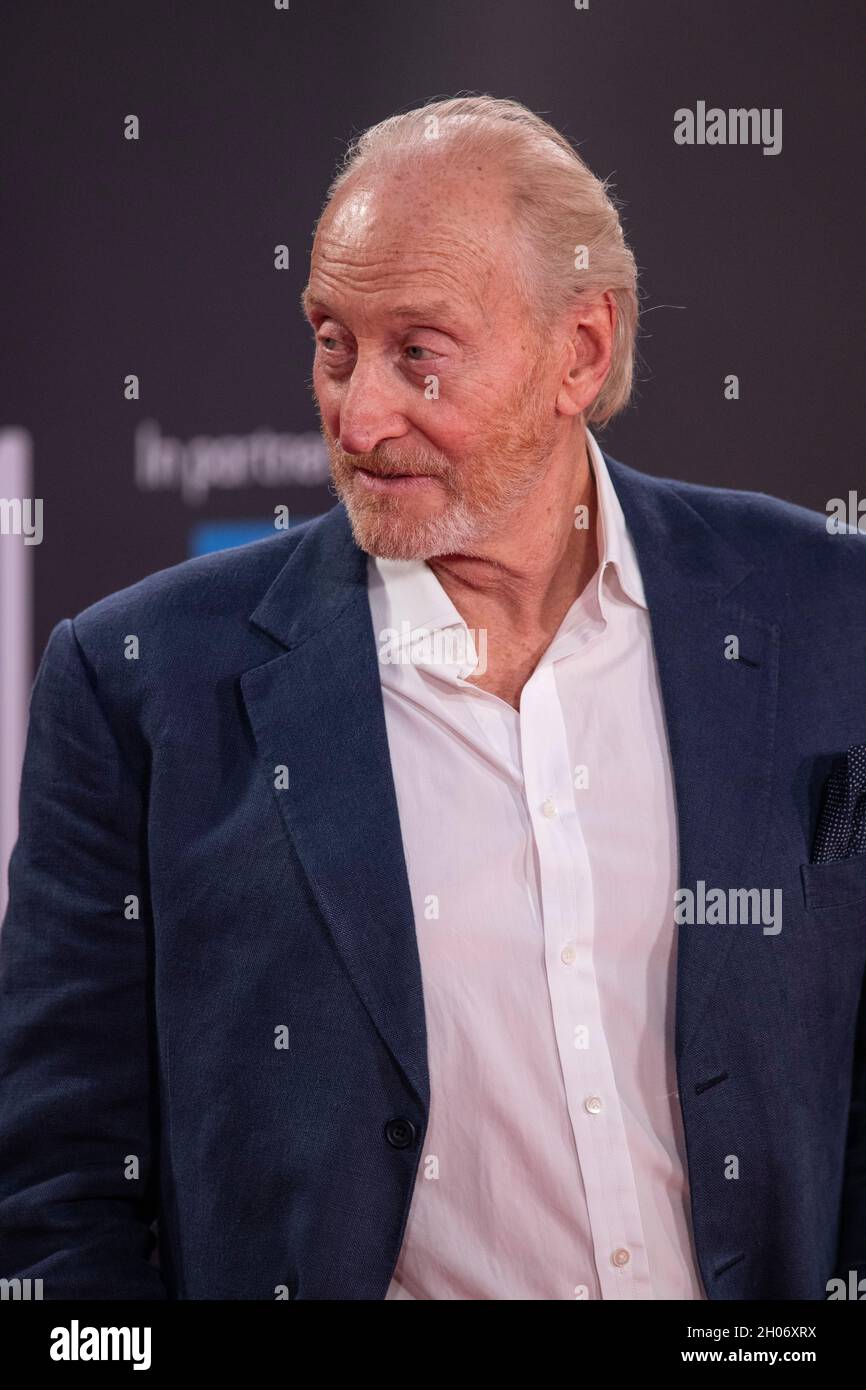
841, 829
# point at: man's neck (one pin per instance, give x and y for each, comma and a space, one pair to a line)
524, 582
521, 588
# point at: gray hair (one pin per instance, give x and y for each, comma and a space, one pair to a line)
559, 205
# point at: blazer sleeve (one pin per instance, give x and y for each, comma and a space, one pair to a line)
852, 1225
78, 1112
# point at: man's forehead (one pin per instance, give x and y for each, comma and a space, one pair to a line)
410, 249
399, 307
419, 249
420, 280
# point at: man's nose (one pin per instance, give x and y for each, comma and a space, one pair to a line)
369, 410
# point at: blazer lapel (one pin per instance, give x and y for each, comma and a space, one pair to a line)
720, 713
317, 710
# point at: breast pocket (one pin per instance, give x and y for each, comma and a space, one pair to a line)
838, 884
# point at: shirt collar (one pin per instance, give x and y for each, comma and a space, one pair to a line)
414, 620
615, 545
409, 606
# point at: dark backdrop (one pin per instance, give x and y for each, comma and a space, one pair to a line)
155, 256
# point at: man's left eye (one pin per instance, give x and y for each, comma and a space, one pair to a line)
416, 347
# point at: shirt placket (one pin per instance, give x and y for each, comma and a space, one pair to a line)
568, 922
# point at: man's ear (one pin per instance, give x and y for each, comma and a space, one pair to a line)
590, 328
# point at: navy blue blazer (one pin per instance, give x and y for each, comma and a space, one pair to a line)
212, 1008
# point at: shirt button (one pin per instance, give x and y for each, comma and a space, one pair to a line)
620, 1257
592, 1104
568, 954
549, 808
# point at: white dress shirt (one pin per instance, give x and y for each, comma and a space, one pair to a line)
541, 851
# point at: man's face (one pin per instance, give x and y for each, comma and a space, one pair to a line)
434, 395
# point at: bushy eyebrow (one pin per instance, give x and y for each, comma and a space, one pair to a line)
417, 313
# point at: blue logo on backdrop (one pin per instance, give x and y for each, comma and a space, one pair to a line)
206, 536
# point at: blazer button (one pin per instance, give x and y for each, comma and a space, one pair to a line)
400, 1133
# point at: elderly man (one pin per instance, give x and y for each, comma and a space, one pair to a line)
368, 963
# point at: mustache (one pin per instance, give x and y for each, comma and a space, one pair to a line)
384, 468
